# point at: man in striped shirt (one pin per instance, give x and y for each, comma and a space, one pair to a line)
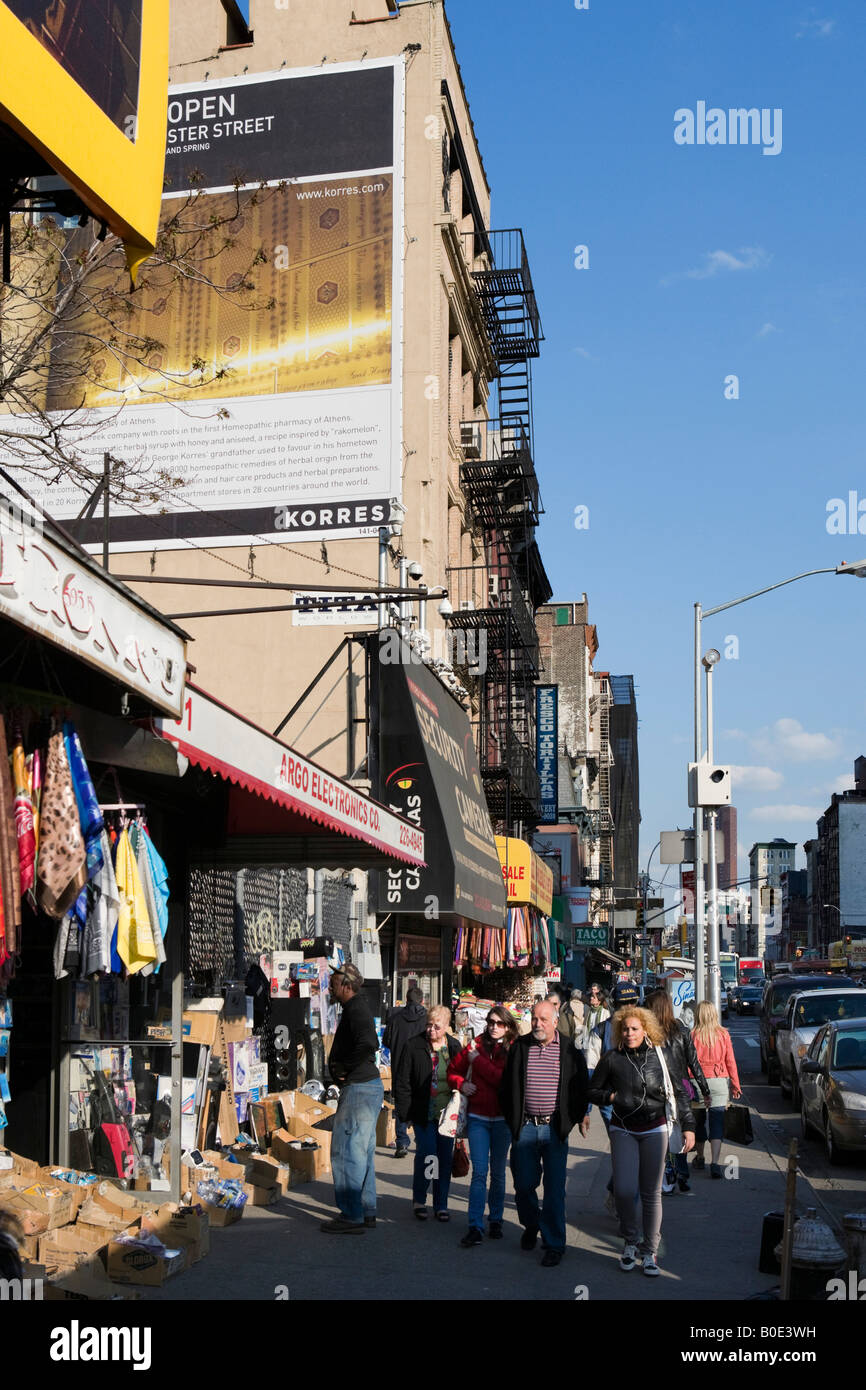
543, 1096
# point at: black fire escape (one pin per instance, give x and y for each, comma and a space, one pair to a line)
494, 603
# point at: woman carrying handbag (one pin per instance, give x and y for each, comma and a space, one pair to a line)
422, 1092
476, 1073
716, 1055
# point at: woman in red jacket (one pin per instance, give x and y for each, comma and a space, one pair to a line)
477, 1072
715, 1053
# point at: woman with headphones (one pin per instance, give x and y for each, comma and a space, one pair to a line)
634, 1078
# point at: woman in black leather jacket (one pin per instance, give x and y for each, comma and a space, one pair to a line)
682, 1059
631, 1078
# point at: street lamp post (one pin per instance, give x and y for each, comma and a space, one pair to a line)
824, 942
643, 925
858, 569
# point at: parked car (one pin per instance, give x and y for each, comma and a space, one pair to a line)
805, 1014
774, 1004
833, 1087
748, 999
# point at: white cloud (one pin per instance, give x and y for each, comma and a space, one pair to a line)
582, 352
780, 814
734, 733
787, 739
843, 783
718, 262
766, 330
759, 779
815, 28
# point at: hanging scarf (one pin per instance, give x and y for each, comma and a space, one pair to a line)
10, 875
89, 813
140, 841
35, 770
135, 943
102, 915
61, 870
23, 815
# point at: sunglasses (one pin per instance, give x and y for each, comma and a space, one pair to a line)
495, 1023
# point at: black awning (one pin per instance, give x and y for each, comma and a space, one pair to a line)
428, 772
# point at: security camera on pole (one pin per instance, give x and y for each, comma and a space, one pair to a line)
709, 787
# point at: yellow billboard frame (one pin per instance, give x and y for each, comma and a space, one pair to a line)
119, 181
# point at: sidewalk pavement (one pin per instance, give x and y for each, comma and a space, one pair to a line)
710, 1241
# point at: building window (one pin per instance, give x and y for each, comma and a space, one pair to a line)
563, 616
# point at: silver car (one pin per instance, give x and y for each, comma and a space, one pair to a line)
805, 1014
833, 1087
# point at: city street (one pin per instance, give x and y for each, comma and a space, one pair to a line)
710, 1240
839, 1188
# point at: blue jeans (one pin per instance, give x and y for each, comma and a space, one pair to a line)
353, 1147
430, 1144
539, 1150
402, 1128
488, 1149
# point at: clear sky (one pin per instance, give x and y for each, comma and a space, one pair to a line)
705, 261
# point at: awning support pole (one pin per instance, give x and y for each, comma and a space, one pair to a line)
313, 683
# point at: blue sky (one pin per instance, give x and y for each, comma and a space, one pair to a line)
705, 261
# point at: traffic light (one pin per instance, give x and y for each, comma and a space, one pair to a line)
847, 941
684, 931
638, 917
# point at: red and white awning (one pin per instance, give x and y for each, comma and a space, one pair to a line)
212, 736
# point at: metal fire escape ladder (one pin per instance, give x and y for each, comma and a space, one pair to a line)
604, 765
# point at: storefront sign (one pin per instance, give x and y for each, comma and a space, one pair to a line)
46, 589
419, 953
546, 755
428, 772
336, 610
215, 737
590, 936
528, 880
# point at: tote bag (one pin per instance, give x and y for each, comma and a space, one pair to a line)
675, 1133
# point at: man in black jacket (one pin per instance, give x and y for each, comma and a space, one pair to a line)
543, 1096
352, 1064
403, 1025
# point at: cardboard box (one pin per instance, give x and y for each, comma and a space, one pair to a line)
225, 1167
134, 1264
83, 1286
313, 1163
199, 1026
261, 1195
79, 1192
224, 1216
38, 1211
386, 1127
186, 1226
267, 1171
106, 1219
72, 1245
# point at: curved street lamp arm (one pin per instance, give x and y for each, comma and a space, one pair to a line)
720, 608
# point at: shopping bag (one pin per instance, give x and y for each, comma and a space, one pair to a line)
738, 1125
452, 1124
460, 1162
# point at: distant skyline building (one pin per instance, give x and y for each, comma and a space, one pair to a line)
768, 860
726, 821
624, 784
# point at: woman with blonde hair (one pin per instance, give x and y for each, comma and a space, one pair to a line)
422, 1090
633, 1078
715, 1053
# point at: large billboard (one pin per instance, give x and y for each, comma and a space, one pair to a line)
295, 433
84, 85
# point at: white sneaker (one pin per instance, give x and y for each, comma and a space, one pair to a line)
668, 1187
650, 1267
629, 1257
610, 1204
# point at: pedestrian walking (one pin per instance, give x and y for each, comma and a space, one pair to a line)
404, 1024
352, 1064
477, 1072
567, 1021
683, 1060
715, 1053
422, 1091
631, 1078
543, 1096
595, 1009
599, 1040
